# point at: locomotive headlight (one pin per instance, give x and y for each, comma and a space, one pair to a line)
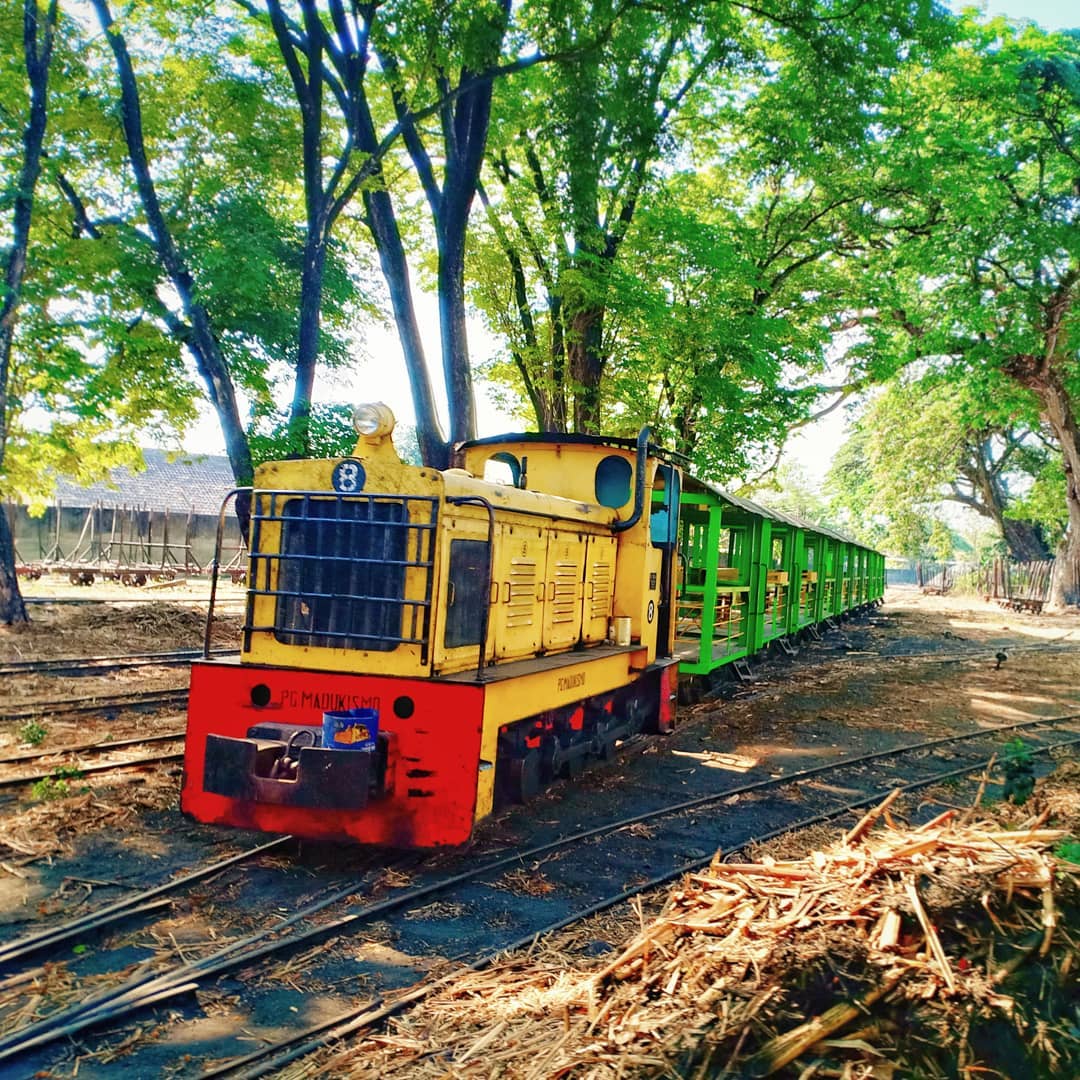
373, 420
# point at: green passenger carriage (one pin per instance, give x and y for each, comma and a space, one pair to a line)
750, 576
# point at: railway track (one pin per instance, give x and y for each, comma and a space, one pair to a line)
141, 701
984, 652
94, 747
276, 1055
131, 601
97, 665
595, 868
135, 904
80, 768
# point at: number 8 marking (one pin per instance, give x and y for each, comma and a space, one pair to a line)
348, 477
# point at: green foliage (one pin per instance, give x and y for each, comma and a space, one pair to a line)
700, 354
1044, 501
48, 790
99, 363
33, 733
704, 217
940, 541
790, 491
908, 533
976, 288
1068, 851
927, 438
89, 372
56, 786
681, 211
1019, 772
331, 435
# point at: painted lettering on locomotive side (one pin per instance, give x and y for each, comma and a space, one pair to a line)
571, 682
328, 701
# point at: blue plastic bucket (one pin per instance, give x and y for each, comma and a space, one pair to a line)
351, 729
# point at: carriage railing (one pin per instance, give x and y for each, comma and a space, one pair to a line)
728, 632
776, 603
828, 591
808, 593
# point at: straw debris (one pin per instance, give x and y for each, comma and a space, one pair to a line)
894, 941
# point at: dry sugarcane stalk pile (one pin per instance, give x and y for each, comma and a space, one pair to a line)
895, 941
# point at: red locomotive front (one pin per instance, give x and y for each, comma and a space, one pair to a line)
459, 626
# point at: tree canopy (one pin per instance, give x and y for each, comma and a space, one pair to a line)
716, 219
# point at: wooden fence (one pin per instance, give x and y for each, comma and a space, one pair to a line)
1020, 586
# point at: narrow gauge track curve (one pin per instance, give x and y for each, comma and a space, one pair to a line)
150, 988
270, 1058
95, 665
136, 903
137, 702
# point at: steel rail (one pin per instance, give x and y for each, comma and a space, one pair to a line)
122, 601
158, 986
347, 1023
95, 920
980, 652
110, 1004
78, 771
69, 707
82, 748
82, 665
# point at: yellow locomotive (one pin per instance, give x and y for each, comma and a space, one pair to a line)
418, 644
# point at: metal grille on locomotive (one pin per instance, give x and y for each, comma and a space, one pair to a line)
338, 577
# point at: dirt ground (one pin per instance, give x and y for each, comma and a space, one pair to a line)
856, 691
922, 667
110, 619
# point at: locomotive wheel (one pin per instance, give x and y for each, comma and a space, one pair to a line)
575, 766
523, 780
607, 747
551, 759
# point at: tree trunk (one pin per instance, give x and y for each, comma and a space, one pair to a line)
1024, 540
37, 59
585, 356
307, 348
12, 605
1065, 586
198, 335
453, 332
1040, 375
558, 365
383, 224
464, 133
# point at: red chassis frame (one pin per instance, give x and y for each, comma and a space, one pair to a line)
432, 744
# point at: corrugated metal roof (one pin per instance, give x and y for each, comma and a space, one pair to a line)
187, 482
200, 481
766, 512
